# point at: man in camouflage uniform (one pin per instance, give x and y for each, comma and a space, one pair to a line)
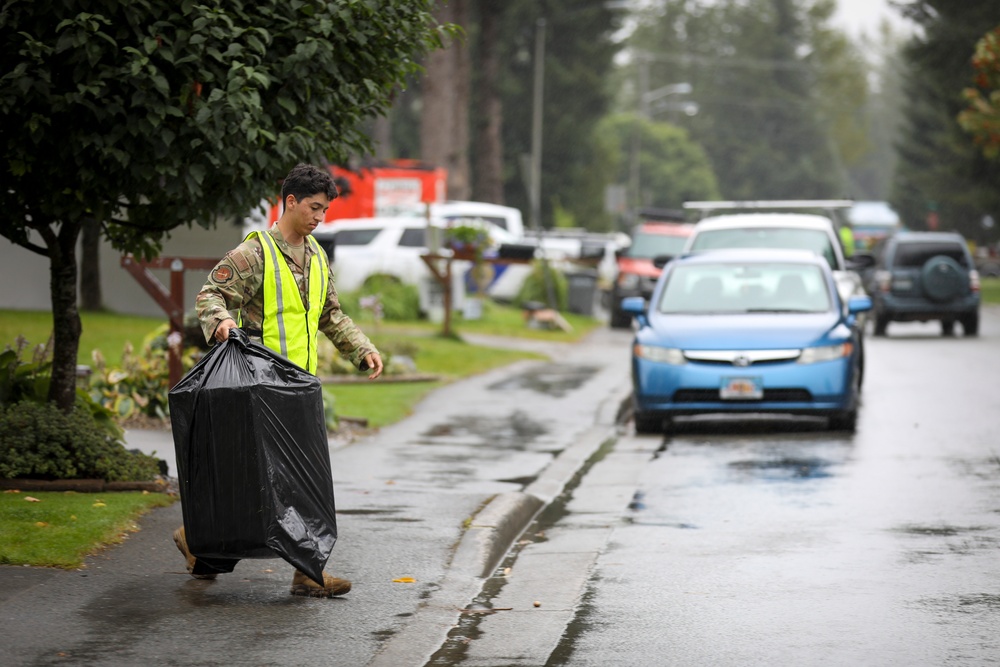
236, 284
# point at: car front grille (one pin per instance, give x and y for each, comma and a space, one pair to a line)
770, 396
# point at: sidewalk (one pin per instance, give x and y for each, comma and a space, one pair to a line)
402, 493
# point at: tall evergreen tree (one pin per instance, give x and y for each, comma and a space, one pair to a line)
762, 72
942, 179
579, 54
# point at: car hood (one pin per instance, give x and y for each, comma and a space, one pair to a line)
638, 266
744, 331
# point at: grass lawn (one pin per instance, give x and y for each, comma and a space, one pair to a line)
990, 290
106, 332
62, 528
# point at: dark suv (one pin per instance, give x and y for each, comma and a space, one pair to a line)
925, 276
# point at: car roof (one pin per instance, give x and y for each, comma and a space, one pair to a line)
334, 226
928, 236
742, 220
754, 255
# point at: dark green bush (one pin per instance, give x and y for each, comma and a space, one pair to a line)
39, 441
382, 298
534, 288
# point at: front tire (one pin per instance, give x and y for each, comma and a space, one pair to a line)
881, 324
646, 424
619, 318
844, 421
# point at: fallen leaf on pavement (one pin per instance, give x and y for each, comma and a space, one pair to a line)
404, 580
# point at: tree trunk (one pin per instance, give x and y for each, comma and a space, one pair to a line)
66, 327
459, 181
91, 298
488, 185
382, 136
444, 133
437, 90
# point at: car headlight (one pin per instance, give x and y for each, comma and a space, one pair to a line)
628, 280
663, 355
812, 355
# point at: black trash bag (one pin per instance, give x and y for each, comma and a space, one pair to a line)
253, 459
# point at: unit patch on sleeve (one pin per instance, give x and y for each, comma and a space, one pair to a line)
222, 274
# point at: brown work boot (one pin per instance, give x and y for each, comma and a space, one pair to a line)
181, 543
332, 586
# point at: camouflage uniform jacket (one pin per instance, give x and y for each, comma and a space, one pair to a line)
234, 287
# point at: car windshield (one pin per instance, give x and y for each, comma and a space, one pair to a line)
647, 246
745, 288
917, 254
813, 240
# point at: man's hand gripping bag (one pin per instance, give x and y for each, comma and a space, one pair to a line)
253, 459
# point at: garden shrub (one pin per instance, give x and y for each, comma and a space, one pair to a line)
534, 288
39, 441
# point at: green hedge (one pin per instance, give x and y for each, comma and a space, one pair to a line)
39, 441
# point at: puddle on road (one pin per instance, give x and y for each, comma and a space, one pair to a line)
783, 469
516, 430
638, 504
551, 379
957, 540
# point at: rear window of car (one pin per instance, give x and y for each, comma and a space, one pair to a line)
917, 254
648, 246
413, 237
345, 237
767, 237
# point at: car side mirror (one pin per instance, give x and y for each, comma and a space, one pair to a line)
661, 260
636, 306
859, 304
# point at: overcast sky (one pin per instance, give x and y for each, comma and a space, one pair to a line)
858, 16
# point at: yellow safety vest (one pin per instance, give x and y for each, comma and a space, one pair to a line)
290, 326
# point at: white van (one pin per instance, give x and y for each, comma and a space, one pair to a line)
363, 247
504, 222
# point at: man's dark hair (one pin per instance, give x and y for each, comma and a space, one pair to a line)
306, 180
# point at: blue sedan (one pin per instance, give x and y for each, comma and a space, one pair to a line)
741, 331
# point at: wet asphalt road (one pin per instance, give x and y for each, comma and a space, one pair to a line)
777, 542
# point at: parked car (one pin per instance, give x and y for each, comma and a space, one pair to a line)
637, 272
802, 231
923, 276
747, 331
366, 247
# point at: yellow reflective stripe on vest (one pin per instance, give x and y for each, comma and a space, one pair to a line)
289, 325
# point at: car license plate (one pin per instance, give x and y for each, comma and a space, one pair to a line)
741, 388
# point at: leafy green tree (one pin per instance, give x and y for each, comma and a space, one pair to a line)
772, 81
153, 114
671, 168
981, 118
941, 176
579, 52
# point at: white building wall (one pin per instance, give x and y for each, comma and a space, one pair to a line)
25, 275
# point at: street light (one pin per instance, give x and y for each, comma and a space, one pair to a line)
647, 98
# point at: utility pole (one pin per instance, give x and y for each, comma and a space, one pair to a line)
535, 191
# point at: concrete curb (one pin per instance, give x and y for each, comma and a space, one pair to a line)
495, 528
